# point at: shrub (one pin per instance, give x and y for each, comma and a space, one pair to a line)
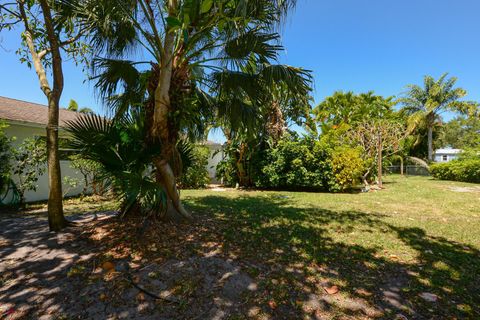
312, 165
5, 159
295, 165
30, 159
195, 174
466, 170
347, 167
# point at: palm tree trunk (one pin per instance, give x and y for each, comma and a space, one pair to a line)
161, 130
430, 142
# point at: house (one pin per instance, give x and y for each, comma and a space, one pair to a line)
28, 120
446, 154
217, 154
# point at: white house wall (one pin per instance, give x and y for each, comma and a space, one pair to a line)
21, 131
216, 155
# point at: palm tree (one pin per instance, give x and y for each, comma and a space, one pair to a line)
424, 105
207, 59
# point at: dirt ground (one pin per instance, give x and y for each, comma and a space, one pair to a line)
67, 276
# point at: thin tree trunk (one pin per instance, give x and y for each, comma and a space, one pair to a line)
56, 218
430, 142
401, 166
379, 161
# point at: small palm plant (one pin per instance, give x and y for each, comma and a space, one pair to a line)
125, 161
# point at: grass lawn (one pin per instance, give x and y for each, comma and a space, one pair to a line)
381, 249
388, 253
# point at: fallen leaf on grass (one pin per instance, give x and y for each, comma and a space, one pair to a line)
331, 290
108, 266
140, 297
272, 304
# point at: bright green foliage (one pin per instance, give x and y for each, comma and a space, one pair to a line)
227, 171
310, 165
461, 132
466, 170
5, 157
195, 173
347, 166
72, 105
29, 159
347, 108
296, 165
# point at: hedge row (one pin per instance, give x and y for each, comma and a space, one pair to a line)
467, 170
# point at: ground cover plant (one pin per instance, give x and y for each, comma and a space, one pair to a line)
410, 250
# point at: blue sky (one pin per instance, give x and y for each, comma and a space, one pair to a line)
357, 45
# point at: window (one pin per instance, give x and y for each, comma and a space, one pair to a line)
444, 157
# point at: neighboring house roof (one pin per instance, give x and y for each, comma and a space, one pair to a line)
448, 151
23, 111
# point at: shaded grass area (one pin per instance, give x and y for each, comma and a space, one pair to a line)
71, 206
385, 248
382, 250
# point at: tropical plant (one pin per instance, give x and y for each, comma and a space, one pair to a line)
124, 159
348, 108
461, 132
377, 139
211, 59
424, 105
195, 174
29, 160
73, 106
89, 170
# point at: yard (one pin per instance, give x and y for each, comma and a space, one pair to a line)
411, 251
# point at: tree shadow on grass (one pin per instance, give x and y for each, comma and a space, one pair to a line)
292, 252
302, 258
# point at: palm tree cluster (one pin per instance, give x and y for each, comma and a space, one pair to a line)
424, 105
203, 63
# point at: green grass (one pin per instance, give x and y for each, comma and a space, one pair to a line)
417, 234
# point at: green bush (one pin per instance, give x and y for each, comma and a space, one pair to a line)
294, 165
311, 165
347, 166
195, 175
467, 170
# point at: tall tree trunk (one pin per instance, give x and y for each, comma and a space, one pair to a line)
56, 218
430, 142
161, 130
401, 165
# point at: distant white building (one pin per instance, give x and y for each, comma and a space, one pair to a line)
446, 154
216, 155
